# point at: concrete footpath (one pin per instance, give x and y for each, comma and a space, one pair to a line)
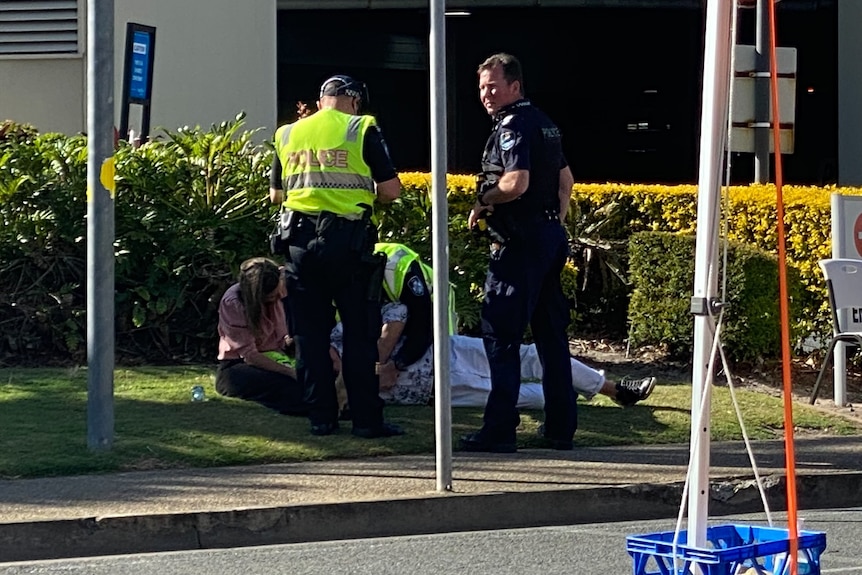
284, 503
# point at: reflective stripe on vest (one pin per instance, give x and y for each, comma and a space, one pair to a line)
322, 164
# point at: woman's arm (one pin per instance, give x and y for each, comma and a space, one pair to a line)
259, 360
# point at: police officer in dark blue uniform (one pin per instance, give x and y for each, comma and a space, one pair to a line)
523, 194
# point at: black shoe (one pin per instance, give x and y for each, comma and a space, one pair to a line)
344, 414
324, 428
631, 391
383, 430
475, 442
558, 444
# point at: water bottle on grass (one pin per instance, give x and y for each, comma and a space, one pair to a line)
198, 393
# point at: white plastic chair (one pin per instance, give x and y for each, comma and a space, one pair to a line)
844, 282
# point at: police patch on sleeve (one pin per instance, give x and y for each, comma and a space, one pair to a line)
507, 140
416, 286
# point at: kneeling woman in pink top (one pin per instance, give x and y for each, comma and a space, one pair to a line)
253, 341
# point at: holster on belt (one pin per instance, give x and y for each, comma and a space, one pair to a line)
502, 227
376, 264
364, 234
284, 230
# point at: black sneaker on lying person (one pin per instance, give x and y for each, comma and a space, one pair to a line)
631, 391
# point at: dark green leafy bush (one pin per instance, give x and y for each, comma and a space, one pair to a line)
189, 207
42, 248
662, 267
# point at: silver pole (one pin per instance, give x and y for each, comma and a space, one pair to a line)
440, 235
100, 226
713, 123
762, 117
840, 205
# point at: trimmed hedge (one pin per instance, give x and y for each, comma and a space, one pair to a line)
662, 272
191, 205
748, 216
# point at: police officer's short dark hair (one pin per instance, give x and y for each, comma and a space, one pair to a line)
511, 67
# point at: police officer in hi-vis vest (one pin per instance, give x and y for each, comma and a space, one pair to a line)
523, 195
328, 171
407, 280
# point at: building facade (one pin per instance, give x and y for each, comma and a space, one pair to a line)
213, 59
622, 78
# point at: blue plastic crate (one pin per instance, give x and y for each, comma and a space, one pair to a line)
733, 550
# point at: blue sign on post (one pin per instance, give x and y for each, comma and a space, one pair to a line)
138, 76
138, 85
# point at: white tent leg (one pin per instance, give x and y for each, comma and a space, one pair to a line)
716, 84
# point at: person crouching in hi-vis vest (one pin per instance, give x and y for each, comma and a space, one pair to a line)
328, 171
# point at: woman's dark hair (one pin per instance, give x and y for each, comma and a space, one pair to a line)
258, 277
511, 67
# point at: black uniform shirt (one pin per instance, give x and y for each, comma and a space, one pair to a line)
374, 152
525, 138
418, 332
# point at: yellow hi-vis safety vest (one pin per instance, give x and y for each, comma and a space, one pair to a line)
322, 164
398, 260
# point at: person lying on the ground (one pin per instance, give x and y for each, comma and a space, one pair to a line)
254, 362
470, 376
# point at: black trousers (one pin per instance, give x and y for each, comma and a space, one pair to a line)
523, 287
327, 268
277, 391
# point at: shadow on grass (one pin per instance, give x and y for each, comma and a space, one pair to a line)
44, 421
46, 433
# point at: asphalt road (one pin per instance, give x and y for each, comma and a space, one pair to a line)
593, 549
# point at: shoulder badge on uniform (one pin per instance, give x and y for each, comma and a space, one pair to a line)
507, 119
415, 285
507, 140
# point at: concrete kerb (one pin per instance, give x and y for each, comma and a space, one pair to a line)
405, 516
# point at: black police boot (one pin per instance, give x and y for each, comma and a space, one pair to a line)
324, 428
476, 442
558, 444
383, 430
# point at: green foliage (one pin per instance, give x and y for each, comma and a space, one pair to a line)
42, 265
749, 216
192, 204
189, 207
601, 259
662, 271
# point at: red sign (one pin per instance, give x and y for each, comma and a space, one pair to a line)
857, 234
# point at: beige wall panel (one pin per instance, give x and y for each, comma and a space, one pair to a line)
48, 93
213, 59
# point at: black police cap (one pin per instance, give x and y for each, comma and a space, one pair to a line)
342, 85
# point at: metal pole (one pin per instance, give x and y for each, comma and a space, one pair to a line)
100, 225
840, 249
713, 124
440, 233
761, 94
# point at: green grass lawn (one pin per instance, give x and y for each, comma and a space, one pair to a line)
43, 419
